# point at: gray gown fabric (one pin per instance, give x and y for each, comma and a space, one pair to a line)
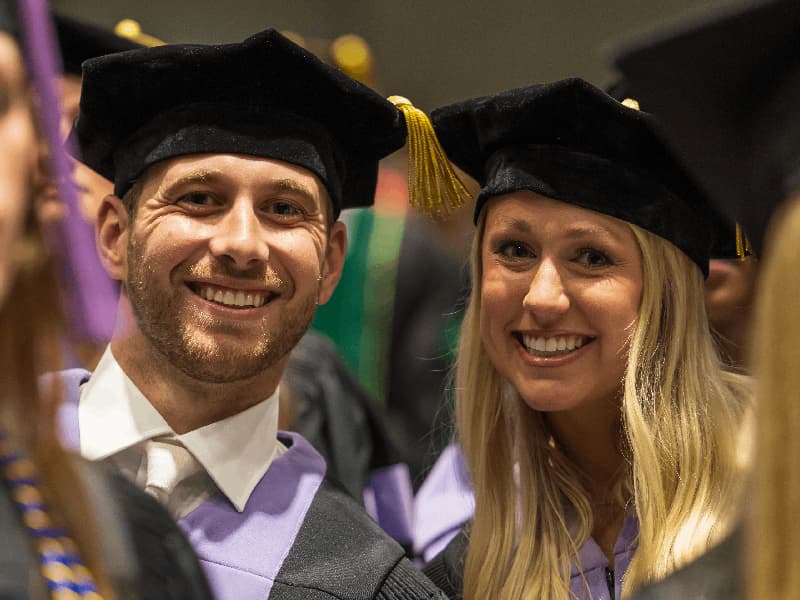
713, 576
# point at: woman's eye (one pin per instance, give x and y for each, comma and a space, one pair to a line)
590, 257
514, 250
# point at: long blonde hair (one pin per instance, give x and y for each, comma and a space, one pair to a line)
681, 415
773, 531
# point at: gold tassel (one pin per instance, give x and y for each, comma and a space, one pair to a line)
131, 30
743, 247
433, 186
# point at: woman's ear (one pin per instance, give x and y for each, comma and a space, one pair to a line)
111, 236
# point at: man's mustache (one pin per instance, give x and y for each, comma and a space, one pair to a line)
260, 274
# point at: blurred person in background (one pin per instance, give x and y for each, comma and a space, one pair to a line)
739, 134
395, 314
69, 529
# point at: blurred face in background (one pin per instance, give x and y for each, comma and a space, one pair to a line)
92, 187
18, 158
730, 291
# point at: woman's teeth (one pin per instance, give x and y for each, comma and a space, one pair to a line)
553, 345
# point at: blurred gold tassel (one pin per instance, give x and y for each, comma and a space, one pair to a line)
743, 247
433, 186
631, 103
131, 30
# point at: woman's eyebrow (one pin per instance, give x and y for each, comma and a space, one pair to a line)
584, 231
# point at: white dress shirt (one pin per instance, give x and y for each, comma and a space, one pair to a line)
116, 420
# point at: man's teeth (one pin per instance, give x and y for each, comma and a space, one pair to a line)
560, 344
230, 298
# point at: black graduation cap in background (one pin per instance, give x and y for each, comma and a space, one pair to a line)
570, 141
264, 97
729, 241
8, 17
727, 92
80, 41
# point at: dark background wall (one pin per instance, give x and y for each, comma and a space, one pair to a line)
432, 51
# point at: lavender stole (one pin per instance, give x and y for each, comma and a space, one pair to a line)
443, 504
240, 552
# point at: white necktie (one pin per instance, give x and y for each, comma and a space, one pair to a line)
168, 463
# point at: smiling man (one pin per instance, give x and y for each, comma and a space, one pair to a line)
230, 167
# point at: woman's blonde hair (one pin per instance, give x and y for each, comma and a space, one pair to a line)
681, 417
773, 530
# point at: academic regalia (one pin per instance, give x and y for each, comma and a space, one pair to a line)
292, 533
446, 569
336, 416
393, 318
726, 89
570, 142
730, 112
79, 41
717, 575
146, 554
299, 536
443, 504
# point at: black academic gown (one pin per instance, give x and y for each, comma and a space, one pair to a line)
146, 554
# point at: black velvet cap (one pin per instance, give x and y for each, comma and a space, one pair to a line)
265, 97
80, 41
572, 142
727, 91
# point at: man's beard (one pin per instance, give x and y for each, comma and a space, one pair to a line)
190, 340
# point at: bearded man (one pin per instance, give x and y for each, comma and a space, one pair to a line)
230, 166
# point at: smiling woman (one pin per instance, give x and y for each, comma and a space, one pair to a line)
599, 428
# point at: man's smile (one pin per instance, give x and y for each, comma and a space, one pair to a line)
231, 297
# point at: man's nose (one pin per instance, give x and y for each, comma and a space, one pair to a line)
240, 237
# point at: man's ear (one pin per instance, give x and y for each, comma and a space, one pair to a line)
111, 235
334, 261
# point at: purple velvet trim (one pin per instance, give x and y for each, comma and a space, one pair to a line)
389, 499
443, 504
240, 552
89, 294
243, 552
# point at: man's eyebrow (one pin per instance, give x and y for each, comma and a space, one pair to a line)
197, 176
292, 186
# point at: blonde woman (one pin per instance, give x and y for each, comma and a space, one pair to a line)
599, 430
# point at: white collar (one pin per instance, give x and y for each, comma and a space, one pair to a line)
114, 415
